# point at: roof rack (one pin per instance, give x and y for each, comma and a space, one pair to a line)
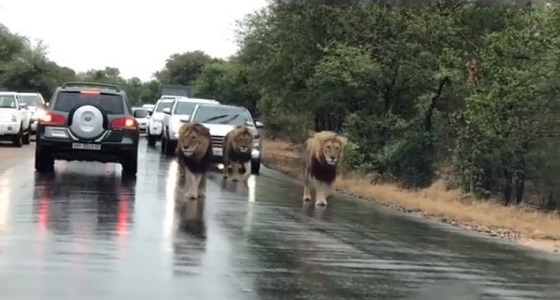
92, 84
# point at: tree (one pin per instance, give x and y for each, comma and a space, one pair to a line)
184, 68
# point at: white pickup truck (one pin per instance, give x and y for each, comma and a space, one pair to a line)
14, 119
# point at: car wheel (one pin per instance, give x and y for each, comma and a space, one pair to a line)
151, 140
27, 138
18, 139
130, 165
163, 144
255, 166
44, 162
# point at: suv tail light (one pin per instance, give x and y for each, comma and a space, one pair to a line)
125, 123
53, 119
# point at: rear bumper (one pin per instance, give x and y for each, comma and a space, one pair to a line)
9, 129
108, 152
124, 147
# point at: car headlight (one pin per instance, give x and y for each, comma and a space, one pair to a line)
175, 127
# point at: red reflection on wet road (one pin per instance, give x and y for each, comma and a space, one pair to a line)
122, 217
44, 200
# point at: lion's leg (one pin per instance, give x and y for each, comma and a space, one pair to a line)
247, 167
226, 165
181, 166
235, 171
306, 181
202, 186
322, 190
191, 184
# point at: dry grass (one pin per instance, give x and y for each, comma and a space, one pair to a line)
530, 227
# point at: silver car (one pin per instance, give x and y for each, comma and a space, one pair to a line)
221, 119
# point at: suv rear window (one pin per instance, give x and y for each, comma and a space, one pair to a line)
111, 103
185, 108
163, 105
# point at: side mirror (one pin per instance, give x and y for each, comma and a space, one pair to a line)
186, 119
166, 111
22, 105
259, 124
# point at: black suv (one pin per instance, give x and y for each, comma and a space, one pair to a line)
88, 122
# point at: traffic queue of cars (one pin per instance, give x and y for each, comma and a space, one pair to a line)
170, 112
19, 116
87, 121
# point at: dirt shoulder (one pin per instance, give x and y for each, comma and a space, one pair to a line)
524, 225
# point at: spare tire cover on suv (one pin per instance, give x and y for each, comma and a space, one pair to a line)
87, 122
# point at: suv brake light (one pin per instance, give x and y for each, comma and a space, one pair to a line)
53, 119
90, 92
125, 123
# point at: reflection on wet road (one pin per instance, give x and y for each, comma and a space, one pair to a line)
86, 234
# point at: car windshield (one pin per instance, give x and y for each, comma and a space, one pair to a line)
111, 103
221, 115
184, 108
7, 101
31, 100
163, 105
140, 112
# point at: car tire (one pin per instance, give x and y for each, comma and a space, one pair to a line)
18, 139
163, 144
151, 140
255, 166
130, 165
44, 162
26, 140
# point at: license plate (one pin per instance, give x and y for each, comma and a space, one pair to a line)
217, 151
86, 146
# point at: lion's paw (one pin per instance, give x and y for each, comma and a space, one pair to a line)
190, 196
321, 203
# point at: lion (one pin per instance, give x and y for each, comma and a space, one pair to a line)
194, 155
236, 149
323, 153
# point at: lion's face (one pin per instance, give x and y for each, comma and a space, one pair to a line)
192, 140
332, 151
242, 141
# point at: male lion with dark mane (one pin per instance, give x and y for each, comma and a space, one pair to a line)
194, 155
237, 148
323, 152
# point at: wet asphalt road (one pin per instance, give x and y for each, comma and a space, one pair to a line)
86, 234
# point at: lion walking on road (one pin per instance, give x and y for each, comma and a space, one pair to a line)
236, 149
323, 153
194, 156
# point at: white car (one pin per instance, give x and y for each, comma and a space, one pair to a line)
149, 108
155, 123
142, 116
35, 106
14, 119
221, 119
180, 111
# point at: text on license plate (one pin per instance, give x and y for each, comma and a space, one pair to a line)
86, 146
217, 151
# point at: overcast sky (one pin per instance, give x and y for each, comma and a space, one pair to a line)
134, 36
